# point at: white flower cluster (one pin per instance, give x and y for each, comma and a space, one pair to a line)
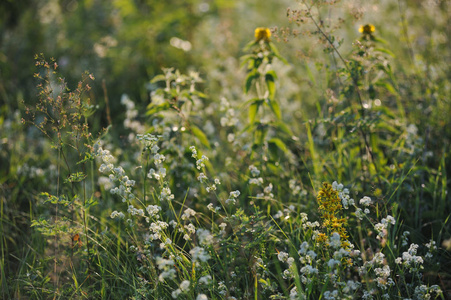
116, 214
343, 193
366, 202
424, 292
188, 213
117, 174
232, 197
156, 228
381, 227
199, 254
153, 211
166, 194
267, 193
410, 259
306, 224
254, 171
334, 240
204, 236
135, 211
166, 266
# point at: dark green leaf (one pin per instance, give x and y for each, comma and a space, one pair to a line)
278, 142
249, 79
270, 78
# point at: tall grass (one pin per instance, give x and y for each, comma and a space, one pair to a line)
203, 196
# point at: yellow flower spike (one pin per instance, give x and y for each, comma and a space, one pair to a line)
367, 29
262, 33
329, 204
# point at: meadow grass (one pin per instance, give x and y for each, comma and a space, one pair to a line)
198, 195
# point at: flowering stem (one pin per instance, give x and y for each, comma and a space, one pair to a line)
356, 86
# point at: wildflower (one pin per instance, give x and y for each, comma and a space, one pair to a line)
211, 188
176, 293
334, 240
188, 213
166, 194
199, 254
294, 293
201, 297
205, 237
116, 214
223, 226
262, 33
201, 177
367, 30
330, 206
233, 196
153, 210
365, 201
205, 279
184, 286
282, 256
256, 181
254, 171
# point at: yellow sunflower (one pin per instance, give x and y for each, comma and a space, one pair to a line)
262, 33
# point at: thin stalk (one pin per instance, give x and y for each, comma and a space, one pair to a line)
355, 83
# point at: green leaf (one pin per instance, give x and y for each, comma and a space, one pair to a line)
275, 108
153, 109
158, 78
276, 53
245, 59
76, 177
253, 109
278, 142
270, 78
387, 86
200, 135
249, 79
91, 202
386, 51
284, 128
249, 45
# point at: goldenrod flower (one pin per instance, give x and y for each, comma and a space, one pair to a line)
367, 29
262, 33
329, 204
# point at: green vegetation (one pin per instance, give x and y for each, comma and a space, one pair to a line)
205, 157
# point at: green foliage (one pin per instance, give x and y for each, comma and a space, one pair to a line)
224, 184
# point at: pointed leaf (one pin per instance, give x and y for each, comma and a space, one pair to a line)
253, 109
158, 78
153, 109
200, 135
249, 79
270, 78
275, 108
279, 143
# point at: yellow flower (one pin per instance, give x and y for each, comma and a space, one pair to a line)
262, 33
367, 29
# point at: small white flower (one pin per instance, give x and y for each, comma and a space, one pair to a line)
365, 201
184, 286
201, 297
